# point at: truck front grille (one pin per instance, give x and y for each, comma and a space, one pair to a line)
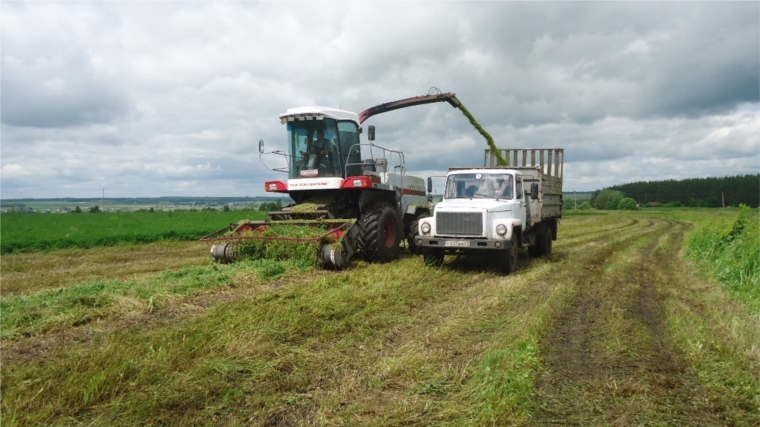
459, 223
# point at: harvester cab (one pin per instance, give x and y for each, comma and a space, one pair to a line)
319, 147
356, 196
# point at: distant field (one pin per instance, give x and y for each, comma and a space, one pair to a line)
586, 195
35, 232
129, 204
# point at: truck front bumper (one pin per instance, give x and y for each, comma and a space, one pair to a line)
453, 244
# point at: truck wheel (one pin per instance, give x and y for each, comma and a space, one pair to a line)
543, 246
378, 234
535, 250
548, 245
411, 237
433, 257
509, 259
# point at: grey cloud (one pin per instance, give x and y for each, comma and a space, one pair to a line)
183, 91
58, 91
634, 60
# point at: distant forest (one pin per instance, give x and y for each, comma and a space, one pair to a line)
129, 204
174, 200
705, 192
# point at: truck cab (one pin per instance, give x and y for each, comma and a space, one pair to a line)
495, 211
496, 192
480, 209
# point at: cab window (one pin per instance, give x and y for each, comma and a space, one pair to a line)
519, 187
348, 136
314, 149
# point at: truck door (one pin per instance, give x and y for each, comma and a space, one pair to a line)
521, 201
534, 204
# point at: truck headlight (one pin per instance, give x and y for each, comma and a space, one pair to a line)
425, 227
501, 229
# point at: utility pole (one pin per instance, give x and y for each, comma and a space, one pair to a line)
722, 200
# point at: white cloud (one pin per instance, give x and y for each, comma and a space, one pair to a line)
12, 171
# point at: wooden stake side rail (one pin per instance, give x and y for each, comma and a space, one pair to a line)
551, 160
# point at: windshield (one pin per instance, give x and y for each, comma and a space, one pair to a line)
314, 149
480, 185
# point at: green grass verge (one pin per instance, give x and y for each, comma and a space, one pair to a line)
729, 251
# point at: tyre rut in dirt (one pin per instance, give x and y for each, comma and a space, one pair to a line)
581, 357
378, 234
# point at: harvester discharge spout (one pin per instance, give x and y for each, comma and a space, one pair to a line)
435, 95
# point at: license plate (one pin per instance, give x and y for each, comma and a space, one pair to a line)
457, 243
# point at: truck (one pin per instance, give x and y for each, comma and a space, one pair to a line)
495, 210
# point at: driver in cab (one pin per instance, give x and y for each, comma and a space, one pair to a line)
316, 150
498, 188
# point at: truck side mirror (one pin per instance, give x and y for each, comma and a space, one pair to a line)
371, 133
534, 191
430, 185
261, 146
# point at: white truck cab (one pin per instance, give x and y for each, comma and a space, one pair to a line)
495, 210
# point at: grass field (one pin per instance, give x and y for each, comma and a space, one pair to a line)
618, 327
35, 232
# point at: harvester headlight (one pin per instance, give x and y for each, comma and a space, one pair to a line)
501, 229
272, 187
425, 227
358, 183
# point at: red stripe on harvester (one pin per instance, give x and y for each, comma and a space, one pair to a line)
409, 192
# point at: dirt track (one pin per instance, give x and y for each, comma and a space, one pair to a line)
589, 381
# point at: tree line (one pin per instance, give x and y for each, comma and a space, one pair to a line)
174, 200
695, 192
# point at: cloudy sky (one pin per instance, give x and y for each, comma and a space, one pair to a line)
156, 98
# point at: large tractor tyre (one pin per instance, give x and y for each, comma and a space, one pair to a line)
433, 257
379, 235
509, 258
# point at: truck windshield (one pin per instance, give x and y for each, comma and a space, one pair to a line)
314, 149
480, 185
